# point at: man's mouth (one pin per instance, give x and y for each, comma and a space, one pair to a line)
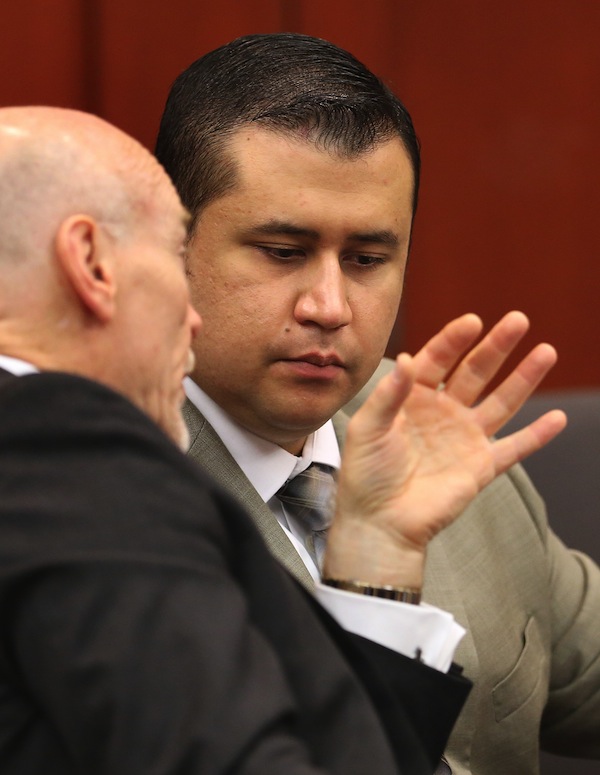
319, 359
321, 366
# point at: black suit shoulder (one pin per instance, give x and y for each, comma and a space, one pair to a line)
124, 573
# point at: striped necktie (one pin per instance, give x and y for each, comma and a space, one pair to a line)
309, 497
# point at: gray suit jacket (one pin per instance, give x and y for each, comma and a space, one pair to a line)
529, 605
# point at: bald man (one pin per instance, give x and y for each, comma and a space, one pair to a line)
145, 626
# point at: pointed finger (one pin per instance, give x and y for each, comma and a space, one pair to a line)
479, 366
506, 400
442, 352
519, 445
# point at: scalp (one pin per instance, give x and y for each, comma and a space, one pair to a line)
56, 162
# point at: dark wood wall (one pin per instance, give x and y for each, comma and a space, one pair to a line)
505, 96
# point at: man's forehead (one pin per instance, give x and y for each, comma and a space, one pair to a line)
275, 171
254, 149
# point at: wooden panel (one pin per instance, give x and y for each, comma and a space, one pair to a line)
42, 53
505, 99
145, 44
365, 29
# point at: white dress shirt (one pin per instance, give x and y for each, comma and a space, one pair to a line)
408, 629
16, 366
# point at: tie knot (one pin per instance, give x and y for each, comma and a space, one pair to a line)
311, 494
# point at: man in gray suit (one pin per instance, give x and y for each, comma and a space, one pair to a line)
301, 171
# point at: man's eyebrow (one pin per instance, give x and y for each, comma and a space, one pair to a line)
276, 227
380, 237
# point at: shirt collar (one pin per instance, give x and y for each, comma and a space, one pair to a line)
17, 366
265, 464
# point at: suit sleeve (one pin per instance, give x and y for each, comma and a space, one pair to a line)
571, 718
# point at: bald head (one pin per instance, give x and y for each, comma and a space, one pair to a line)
92, 234
55, 162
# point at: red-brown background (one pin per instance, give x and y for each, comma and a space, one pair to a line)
505, 97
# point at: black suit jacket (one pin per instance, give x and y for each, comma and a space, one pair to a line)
146, 628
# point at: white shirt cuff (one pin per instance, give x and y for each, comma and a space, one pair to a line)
413, 630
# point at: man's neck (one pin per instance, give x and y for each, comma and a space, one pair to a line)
265, 464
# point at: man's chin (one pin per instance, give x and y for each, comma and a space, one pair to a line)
297, 423
315, 414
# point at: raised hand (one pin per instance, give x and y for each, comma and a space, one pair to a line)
421, 448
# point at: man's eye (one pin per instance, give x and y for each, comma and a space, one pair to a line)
361, 259
283, 254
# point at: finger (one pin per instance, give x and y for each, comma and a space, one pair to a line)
380, 409
519, 445
506, 400
476, 370
441, 353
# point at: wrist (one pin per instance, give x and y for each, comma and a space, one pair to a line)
372, 558
387, 592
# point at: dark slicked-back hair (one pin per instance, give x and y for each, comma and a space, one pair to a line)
287, 83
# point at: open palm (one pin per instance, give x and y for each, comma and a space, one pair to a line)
422, 447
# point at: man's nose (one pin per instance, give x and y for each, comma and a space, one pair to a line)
323, 296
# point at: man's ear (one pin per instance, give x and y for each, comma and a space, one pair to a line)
85, 256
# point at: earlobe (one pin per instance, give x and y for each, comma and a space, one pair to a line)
83, 252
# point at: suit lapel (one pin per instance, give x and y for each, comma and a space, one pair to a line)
207, 449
